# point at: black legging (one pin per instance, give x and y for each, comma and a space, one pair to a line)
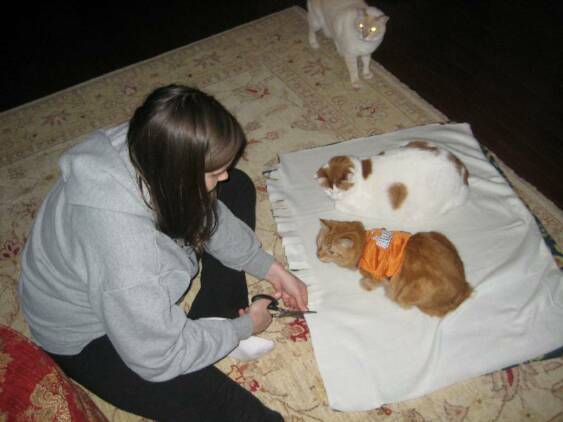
205, 395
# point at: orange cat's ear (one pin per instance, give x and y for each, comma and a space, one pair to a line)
324, 223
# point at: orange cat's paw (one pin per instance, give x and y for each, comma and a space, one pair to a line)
369, 283
365, 283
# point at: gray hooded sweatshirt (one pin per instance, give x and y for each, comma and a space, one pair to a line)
95, 264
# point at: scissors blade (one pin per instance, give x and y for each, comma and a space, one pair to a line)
297, 314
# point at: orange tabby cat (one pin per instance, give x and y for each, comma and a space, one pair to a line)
422, 269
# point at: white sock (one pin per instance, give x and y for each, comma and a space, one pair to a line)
252, 348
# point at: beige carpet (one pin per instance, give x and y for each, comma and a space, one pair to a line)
287, 97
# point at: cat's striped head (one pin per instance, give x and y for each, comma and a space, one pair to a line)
341, 242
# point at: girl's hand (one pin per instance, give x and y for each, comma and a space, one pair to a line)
289, 288
261, 317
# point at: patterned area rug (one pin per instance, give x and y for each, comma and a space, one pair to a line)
287, 97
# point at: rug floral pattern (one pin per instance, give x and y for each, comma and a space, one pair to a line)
287, 97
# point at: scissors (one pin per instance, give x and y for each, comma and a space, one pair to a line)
279, 312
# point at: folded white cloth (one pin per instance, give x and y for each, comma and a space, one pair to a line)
369, 350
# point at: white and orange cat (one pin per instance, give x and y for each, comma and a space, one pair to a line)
422, 269
415, 182
356, 28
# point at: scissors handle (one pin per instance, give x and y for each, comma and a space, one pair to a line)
272, 306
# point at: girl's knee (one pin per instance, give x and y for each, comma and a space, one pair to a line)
242, 180
239, 195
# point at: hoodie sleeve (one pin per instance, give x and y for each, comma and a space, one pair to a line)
135, 277
236, 245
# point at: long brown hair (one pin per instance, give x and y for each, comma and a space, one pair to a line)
176, 136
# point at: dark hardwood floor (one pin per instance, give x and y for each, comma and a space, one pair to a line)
495, 64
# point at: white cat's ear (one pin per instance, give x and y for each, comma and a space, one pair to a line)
383, 19
322, 173
346, 242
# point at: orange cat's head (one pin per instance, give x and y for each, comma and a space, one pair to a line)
341, 242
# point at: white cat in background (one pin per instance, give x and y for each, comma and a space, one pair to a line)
356, 28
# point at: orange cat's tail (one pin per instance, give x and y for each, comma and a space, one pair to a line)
462, 295
458, 299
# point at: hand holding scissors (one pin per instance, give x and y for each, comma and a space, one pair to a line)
277, 311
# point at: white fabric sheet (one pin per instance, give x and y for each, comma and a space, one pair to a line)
369, 350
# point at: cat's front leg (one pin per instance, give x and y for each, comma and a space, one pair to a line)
352, 64
366, 72
314, 26
368, 283
313, 38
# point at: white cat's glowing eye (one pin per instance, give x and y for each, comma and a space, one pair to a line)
361, 25
373, 29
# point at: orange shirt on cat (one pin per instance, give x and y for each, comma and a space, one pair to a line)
383, 253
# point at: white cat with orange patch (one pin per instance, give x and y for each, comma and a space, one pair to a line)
414, 182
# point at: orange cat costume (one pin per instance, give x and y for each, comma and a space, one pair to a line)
383, 253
